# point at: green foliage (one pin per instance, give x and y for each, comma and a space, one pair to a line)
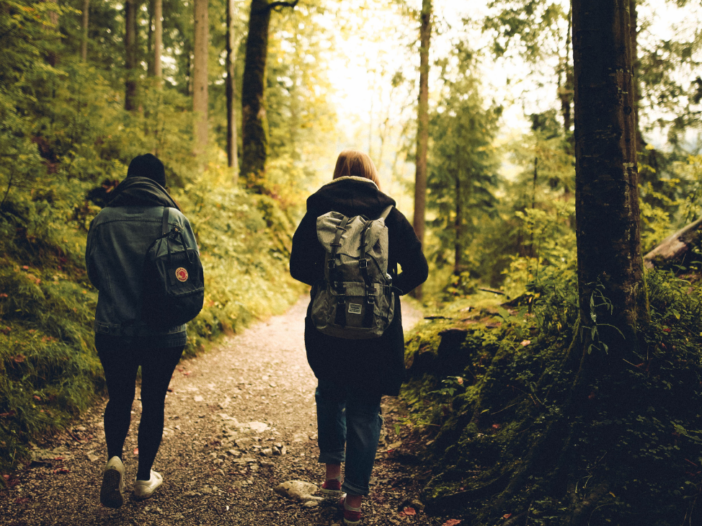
65, 140
511, 386
462, 166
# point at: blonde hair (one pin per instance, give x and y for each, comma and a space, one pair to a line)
355, 163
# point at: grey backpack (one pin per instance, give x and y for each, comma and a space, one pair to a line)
356, 299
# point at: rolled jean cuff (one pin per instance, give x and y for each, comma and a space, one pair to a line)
332, 457
351, 489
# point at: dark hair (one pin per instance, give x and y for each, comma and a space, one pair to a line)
148, 166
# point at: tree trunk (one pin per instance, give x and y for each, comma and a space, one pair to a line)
565, 89
458, 227
54, 35
420, 181
84, 43
200, 101
610, 264
130, 31
150, 41
640, 142
232, 160
255, 123
676, 247
158, 37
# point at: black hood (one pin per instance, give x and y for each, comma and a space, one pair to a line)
141, 191
350, 196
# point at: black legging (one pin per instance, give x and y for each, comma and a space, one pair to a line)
120, 359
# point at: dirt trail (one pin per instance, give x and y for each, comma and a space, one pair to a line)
230, 414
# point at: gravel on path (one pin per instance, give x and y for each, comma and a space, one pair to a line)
240, 419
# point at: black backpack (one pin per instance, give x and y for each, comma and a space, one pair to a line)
173, 280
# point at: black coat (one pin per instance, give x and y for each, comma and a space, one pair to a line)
375, 366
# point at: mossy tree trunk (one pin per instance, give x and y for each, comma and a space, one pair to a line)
420, 178
232, 160
200, 96
130, 62
610, 263
253, 94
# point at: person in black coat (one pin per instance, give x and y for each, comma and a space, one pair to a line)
354, 374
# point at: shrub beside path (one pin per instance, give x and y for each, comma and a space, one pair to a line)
239, 420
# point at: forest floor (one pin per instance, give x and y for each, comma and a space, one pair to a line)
226, 412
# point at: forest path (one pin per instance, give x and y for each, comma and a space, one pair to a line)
252, 392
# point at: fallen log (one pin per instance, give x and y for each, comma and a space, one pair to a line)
675, 246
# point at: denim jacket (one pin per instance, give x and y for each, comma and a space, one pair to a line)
117, 243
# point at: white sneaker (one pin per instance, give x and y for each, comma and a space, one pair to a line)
111, 492
143, 489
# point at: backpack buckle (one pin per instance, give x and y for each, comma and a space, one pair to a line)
370, 299
362, 263
331, 264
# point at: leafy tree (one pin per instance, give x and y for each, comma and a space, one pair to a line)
462, 167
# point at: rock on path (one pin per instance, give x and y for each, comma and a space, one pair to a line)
239, 420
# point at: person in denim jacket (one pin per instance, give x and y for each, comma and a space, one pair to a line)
118, 240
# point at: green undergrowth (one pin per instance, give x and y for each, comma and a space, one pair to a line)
492, 391
49, 370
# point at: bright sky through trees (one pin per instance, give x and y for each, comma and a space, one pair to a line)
383, 41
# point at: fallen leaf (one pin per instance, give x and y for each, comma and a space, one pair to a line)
452, 522
136, 451
408, 511
61, 471
507, 516
526, 342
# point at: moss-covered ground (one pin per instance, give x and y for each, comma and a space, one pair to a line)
492, 388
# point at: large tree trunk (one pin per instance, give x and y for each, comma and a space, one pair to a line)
254, 121
232, 160
130, 35
84, 43
200, 100
610, 264
158, 37
254, 133
420, 181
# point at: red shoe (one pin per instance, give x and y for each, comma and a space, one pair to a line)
331, 488
352, 516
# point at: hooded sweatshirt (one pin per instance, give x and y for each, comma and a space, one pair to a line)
377, 365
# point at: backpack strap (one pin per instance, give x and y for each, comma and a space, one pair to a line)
164, 221
340, 318
363, 267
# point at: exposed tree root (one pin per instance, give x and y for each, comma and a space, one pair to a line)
583, 510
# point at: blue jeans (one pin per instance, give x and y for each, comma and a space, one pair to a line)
348, 420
